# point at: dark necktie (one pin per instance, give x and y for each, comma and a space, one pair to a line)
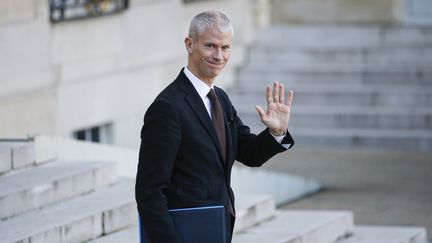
218, 120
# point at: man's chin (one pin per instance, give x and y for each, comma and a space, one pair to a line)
215, 72
213, 75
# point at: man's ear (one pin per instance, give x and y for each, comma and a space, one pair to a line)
188, 43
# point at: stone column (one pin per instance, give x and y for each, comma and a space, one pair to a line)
262, 13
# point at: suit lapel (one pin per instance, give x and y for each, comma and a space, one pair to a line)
195, 102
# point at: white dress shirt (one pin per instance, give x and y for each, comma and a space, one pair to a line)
203, 89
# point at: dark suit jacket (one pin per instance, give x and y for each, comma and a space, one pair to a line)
180, 162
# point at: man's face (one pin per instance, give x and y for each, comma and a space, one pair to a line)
208, 53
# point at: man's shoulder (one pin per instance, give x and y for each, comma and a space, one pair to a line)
172, 91
165, 101
173, 94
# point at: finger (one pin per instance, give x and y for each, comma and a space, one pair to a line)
290, 97
260, 111
281, 93
276, 91
269, 95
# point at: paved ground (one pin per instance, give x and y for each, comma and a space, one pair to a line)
381, 188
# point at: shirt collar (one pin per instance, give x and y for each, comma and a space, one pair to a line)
202, 88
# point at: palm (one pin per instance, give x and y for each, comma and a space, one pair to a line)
277, 116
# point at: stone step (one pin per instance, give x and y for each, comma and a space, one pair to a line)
343, 36
259, 89
324, 68
295, 65
250, 210
308, 75
405, 139
37, 187
351, 138
299, 226
246, 180
16, 154
349, 116
253, 209
104, 211
386, 234
5, 159
379, 56
360, 234
127, 235
348, 95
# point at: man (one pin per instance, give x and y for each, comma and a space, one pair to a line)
192, 135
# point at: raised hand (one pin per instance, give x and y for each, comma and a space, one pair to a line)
277, 116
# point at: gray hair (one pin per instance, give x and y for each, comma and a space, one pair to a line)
209, 19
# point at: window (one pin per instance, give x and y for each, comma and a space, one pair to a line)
97, 134
62, 10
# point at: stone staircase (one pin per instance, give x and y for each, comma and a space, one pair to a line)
85, 201
325, 227
354, 86
60, 201
258, 221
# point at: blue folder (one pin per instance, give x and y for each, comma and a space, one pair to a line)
197, 225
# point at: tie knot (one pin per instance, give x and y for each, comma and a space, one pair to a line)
212, 95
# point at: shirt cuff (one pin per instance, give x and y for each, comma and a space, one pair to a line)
280, 138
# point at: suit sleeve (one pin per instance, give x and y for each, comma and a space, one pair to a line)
160, 141
255, 150
252, 150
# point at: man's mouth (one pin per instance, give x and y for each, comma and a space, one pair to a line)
215, 64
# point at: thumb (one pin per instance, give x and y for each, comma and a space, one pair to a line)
260, 111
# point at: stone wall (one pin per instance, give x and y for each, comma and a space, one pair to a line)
335, 11
57, 78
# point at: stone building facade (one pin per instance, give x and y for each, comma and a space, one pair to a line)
94, 78
389, 12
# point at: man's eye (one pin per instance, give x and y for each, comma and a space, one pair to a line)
225, 48
209, 45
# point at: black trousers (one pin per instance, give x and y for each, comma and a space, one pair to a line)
230, 220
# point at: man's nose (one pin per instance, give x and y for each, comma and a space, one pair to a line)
218, 55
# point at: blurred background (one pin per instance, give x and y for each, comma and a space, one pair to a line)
77, 76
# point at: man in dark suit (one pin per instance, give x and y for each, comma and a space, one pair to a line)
192, 135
